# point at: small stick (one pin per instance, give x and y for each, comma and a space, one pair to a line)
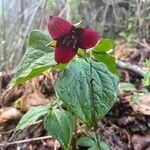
130, 67
27, 140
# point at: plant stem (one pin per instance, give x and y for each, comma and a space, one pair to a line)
74, 140
93, 102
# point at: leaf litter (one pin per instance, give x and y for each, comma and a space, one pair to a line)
125, 127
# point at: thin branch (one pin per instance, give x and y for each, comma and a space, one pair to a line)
25, 29
26, 141
11, 28
105, 15
41, 17
63, 9
130, 67
4, 33
68, 10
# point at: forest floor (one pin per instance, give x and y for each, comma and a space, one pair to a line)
125, 127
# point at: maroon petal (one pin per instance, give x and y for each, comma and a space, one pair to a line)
58, 27
88, 38
64, 54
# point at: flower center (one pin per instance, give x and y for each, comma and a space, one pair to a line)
71, 40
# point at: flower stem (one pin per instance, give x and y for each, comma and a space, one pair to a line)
93, 102
74, 140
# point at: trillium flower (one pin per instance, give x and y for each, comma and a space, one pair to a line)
69, 38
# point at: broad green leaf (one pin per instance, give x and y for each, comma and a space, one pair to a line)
127, 87
100, 53
104, 45
74, 89
37, 58
107, 59
60, 124
31, 116
90, 142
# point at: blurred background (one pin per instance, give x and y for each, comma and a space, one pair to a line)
117, 19
127, 22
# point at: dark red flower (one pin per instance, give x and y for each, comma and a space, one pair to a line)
70, 38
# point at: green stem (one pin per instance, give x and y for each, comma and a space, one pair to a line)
93, 102
66, 148
74, 140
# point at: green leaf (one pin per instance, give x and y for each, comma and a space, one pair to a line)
74, 89
108, 60
59, 67
90, 142
123, 35
146, 80
37, 58
81, 53
104, 146
135, 98
127, 87
148, 64
130, 25
100, 54
60, 124
104, 45
31, 116
86, 142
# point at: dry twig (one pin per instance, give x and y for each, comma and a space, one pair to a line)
26, 141
130, 67
23, 34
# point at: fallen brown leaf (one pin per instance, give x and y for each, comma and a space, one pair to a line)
144, 104
123, 51
32, 99
9, 96
141, 142
9, 113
